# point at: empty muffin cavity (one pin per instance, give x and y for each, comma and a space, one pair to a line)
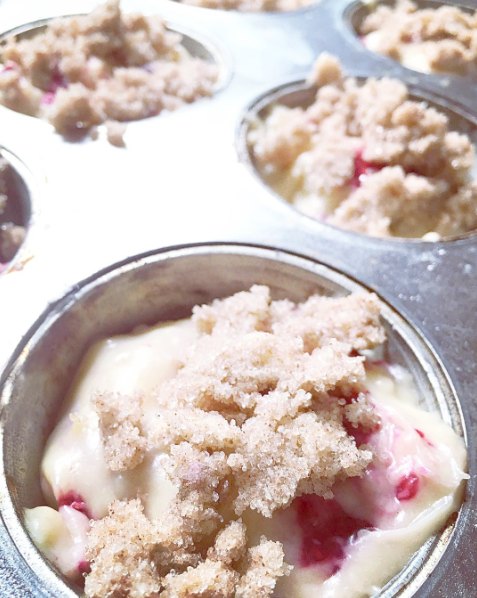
14, 209
81, 71
366, 155
426, 36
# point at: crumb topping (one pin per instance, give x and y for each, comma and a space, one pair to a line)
102, 67
230, 544
209, 579
115, 132
120, 422
256, 416
264, 565
444, 38
367, 157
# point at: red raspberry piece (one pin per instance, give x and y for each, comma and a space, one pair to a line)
326, 531
84, 567
361, 168
407, 487
424, 437
75, 501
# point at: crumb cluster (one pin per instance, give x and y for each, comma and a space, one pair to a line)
256, 416
366, 157
11, 234
253, 5
441, 40
103, 67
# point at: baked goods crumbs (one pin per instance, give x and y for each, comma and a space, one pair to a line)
103, 67
366, 157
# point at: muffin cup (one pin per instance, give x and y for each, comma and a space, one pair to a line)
301, 94
162, 286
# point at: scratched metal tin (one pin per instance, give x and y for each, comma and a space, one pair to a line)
185, 178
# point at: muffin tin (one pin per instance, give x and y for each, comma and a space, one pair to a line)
185, 178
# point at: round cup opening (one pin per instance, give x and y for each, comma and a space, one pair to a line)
299, 94
166, 285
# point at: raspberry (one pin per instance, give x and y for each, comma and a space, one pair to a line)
326, 531
75, 501
407, 487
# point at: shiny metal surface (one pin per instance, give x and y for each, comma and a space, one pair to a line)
182, 179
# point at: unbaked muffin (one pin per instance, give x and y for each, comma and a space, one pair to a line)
104, 67
367, 157
260, 448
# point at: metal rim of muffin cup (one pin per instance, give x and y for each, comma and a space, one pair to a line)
159, 286
301, 94
20, 202
195, 43
356, 11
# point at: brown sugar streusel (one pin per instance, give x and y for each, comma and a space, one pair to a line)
259, 380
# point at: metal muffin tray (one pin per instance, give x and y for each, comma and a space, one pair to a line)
184, 193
